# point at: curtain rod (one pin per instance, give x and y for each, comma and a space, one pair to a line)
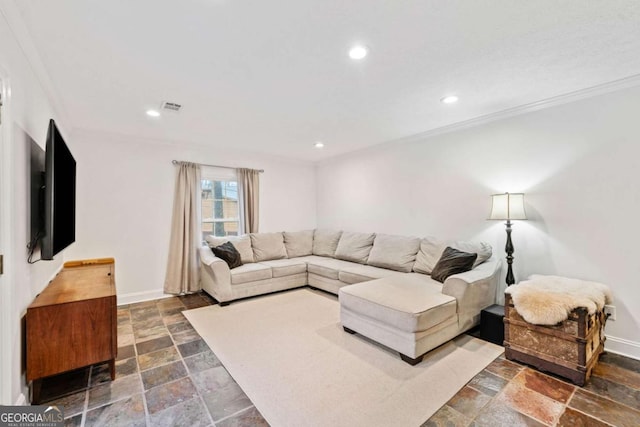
175, 162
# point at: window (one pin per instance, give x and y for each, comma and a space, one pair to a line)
220, 207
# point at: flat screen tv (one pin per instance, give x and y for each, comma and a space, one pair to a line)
59, 195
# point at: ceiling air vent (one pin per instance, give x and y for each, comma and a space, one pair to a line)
171, 106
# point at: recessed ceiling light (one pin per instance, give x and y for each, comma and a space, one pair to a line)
451, 99
318, 144
358, 52
153, 113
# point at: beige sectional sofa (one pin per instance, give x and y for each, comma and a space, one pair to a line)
382, 280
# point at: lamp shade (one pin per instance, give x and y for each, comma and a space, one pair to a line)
507, 206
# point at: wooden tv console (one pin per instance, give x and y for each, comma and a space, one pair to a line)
72, 323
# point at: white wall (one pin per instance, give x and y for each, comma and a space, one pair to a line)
578, 164
125, 196
30, 110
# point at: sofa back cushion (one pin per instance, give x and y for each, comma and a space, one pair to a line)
355, 247
394, 252
325, 242
298, 243
483, 250
241, 243
268, 246
431, 250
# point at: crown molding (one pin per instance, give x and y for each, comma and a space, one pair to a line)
613, 86
13, 17
554, 101
88, 135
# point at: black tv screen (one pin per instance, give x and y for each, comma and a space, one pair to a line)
60, 195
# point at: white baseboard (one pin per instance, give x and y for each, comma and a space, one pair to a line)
22, 400
623, 347
134, 297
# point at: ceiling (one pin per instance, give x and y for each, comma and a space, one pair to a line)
274, 76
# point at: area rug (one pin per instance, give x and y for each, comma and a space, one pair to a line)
290, 355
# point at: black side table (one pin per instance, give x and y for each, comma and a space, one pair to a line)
492, 324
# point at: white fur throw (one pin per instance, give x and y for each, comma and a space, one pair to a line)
548, 300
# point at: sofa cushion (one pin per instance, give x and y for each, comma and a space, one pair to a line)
483, 250
394, 252
286, 267
298, 243
355, 247
327, 267
356, 273
241, 243
325, 242
268, 246
417, 304
451, 262
250, 273
428, 255
431, 250
228, 253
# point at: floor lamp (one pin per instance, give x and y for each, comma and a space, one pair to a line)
508, 206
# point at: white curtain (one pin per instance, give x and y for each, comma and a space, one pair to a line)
183, 271
249, 189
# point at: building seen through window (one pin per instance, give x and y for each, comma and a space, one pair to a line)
220, 211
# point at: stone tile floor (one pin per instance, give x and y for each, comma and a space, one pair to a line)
506, 393
166, 375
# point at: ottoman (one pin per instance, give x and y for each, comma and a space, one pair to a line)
407, 313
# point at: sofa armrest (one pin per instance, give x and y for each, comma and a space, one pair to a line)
207, 257
215, 275
474, 290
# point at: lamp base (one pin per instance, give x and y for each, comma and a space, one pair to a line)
509, 250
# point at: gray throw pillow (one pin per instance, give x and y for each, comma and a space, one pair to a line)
452, 262
229, 254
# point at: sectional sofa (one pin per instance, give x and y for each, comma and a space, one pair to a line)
383, 281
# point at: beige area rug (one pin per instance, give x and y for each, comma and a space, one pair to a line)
290, 355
